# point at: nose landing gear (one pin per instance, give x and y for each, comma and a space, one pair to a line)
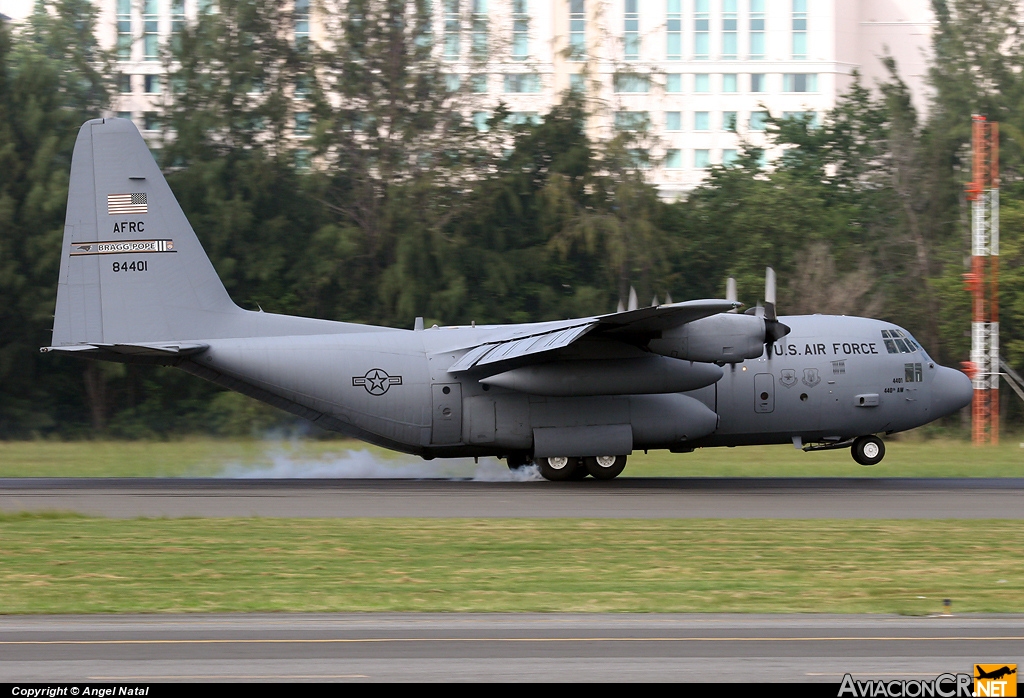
868, 450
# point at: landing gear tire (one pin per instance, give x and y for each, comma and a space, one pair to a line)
605, 467
868, 450
558, 468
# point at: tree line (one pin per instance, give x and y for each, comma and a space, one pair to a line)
392, 204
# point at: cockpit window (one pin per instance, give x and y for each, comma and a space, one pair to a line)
896, 342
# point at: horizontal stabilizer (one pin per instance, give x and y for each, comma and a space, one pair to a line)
155, 349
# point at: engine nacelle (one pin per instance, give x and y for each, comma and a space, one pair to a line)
642, 376
724, 338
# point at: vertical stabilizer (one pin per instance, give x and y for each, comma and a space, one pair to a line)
132, 268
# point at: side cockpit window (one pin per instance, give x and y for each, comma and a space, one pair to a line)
896, 342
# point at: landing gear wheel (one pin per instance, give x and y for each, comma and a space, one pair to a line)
605, 467
868, 450
558, 468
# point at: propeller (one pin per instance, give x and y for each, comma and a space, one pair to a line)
654, 301
633, 303
730, 292
773, 329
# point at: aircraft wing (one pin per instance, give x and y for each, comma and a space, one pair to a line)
643, 323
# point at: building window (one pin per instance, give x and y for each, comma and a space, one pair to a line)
729, 26
701, 159
150, 121
452, 82
673, 159
701, 121
152, 83
729, 83
807, 117
302, 123
674, 30
701, 29
478, 84
577, 30
577, 83
151, 30
673, 82
301, 24
630, 120
702, 82
124, 30
631, 83
758, 120
800, 82
673, 121
480, 120
756, 30
631, 31
520, 30
479, 28
177, 23
729, 121
523, 118
451, 29
729, 157
757, 82
124, 115
302, 159
799, 29
124, 84
522, 82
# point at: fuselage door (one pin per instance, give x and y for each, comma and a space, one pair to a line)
764, 392
447, 421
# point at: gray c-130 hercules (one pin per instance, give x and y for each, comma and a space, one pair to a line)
575, 396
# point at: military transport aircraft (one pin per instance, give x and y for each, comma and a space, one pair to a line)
574, 396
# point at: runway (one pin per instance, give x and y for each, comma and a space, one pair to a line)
643, 498
499, 647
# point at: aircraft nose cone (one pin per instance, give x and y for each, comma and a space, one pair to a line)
951, 391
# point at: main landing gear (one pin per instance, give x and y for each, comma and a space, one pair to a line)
868, 450
560, 468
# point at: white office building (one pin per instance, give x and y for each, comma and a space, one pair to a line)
698, 75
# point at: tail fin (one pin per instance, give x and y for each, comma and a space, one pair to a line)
132, 269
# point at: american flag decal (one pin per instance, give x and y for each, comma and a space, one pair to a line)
121, 204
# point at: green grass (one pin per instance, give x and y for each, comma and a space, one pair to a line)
905, 457
71, 564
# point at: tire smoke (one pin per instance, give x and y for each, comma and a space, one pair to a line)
363, 464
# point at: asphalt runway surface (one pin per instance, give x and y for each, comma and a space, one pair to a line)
643, 498
499, 647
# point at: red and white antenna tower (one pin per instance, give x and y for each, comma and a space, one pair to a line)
983, 280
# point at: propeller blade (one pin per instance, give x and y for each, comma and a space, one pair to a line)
730, 290
633, 304
769, 293
668, 299
654, 302
621, 308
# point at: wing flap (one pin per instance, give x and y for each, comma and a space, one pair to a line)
516, 347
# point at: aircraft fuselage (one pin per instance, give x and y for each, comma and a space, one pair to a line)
832, 378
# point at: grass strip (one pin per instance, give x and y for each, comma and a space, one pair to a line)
202, 457
72, 564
